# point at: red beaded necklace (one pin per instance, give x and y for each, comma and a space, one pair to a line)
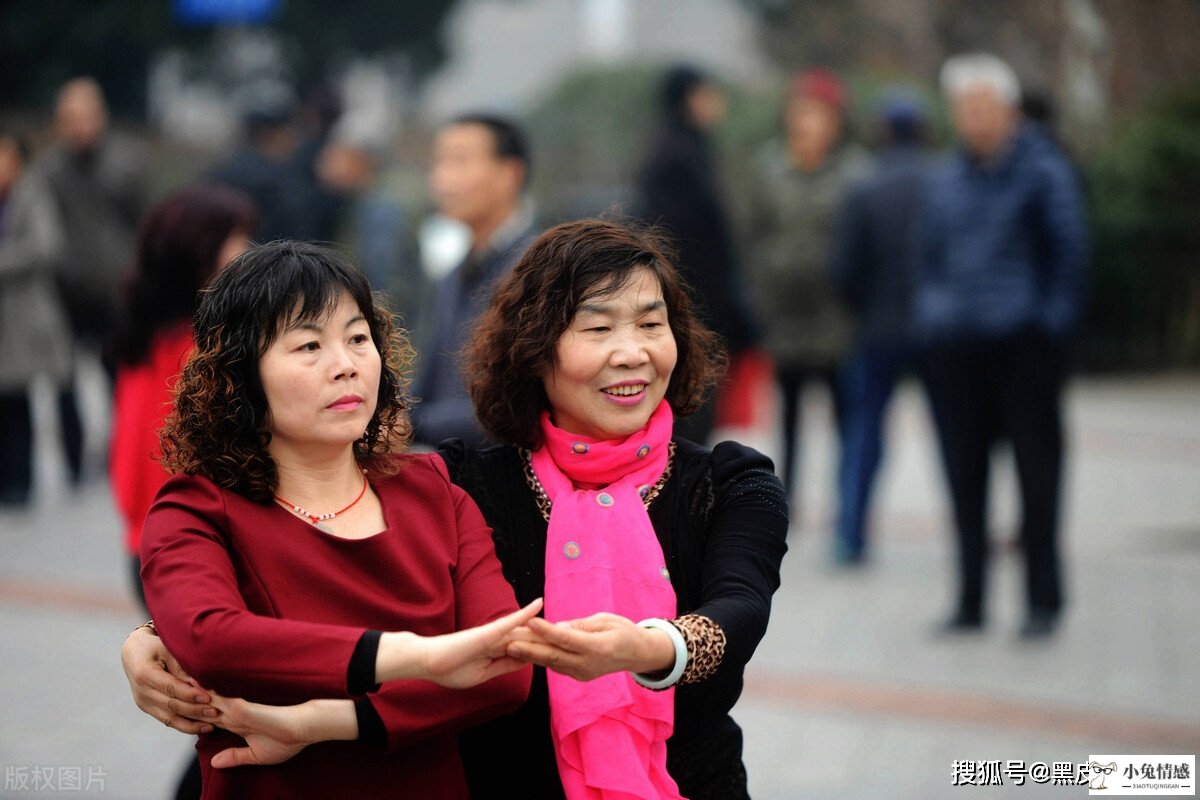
318, 518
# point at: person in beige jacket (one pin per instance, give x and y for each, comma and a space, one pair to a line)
34, 335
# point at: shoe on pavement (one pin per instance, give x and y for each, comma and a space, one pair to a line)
1039, 625
961, 622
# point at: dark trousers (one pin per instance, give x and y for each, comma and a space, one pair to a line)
791, 384
16, 448
1003, 391
16, 445
867, 381
72, 432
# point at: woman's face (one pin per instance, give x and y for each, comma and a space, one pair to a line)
813, 123
614, 362
321, 380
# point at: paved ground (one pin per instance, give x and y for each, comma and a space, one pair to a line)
849, 696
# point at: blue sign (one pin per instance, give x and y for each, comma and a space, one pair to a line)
218, 12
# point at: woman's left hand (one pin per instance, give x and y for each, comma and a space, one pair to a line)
160, 686
274, 734
587, 648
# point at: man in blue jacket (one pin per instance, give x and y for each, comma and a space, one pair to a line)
999, 294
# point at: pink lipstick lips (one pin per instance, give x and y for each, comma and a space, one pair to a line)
348, 402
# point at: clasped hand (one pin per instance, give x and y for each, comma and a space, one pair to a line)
587, 648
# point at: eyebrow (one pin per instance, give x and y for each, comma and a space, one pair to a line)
606, 308
312, 326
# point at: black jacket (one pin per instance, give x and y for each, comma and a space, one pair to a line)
722, 521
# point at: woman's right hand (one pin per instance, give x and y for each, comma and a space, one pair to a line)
273, 734
161, 688
456, 660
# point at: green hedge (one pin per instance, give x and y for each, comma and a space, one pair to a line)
1144, 193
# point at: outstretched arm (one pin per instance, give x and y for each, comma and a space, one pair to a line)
456, 660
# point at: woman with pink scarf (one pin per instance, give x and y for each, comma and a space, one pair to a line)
657, 556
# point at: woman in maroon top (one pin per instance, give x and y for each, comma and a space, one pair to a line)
295, 556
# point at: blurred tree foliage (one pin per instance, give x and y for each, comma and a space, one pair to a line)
51, 41
1145, 197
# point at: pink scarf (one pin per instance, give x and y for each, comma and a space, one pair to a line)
610, 735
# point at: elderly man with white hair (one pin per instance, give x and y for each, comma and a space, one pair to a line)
1000, 289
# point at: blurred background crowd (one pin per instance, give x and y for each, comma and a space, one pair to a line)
984, 196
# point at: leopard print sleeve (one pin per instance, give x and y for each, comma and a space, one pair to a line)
705, 646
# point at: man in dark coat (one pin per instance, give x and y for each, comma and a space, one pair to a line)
1000, 292
679, 188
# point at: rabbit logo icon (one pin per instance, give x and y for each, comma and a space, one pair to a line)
1099, 773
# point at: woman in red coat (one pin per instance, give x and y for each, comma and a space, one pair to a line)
183, 241
294, 557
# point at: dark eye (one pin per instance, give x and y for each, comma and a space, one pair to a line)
310, 347
360, 338
599, 329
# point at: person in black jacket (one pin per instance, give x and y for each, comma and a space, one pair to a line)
679, 188
597, 293
720, 515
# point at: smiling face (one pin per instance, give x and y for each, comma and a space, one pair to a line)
613, 363
321, 381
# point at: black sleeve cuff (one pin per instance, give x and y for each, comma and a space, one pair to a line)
360, 675
371, 731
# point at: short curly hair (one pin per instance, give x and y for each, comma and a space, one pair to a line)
514, 340
217, 428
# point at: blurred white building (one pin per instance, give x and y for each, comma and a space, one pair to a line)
504, 54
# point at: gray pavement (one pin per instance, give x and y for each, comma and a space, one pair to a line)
849, 696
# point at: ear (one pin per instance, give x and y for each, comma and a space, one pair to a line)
515, 172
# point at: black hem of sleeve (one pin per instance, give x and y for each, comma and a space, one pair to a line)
360, 674
371, 730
